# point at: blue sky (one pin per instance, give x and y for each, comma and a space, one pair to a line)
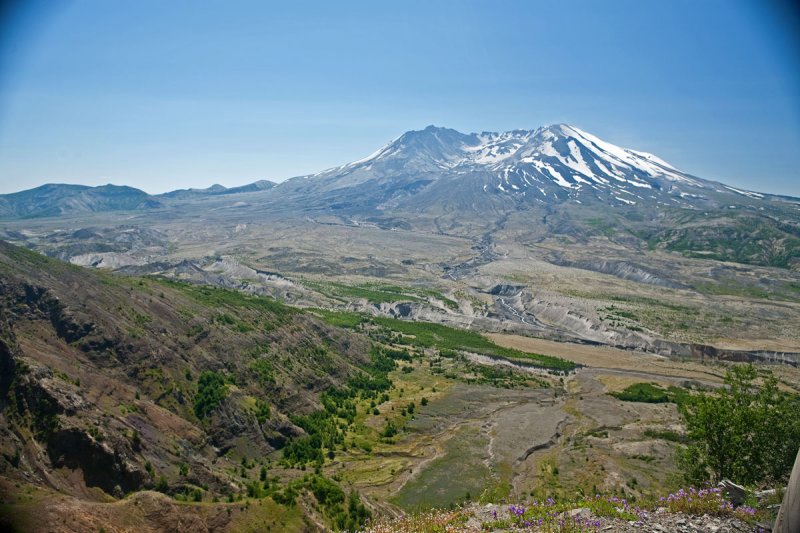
172, 94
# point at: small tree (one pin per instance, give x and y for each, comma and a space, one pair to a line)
743, 432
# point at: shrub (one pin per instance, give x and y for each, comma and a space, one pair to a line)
210, 392
745, 432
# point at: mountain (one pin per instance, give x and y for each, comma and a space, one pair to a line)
59, 199
219, 190
439, 167
438, 179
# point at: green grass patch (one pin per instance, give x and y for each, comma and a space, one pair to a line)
218, 297
373, 294
741, 238
379, 292
651, 393
342, 319
602, 225
431, 335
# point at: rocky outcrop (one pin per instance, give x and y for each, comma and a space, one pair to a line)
104, 464
53, 410
66, 325
506, 290
621, 269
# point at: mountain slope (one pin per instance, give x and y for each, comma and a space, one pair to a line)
59, 199
219, 190
117, 385
550, 165
440, 169
552, 182
570, 182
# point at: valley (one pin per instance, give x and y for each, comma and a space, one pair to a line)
304, 355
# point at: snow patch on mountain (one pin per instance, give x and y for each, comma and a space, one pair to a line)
557, 163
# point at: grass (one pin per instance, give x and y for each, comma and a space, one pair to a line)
430, 335
379, 293
603, 226
669, 317
266, 515
218, 297
749, 239
425, 292
444, 338
619, 317
372, 294
22, 259
342, 319
651, 393
436, 486
728, 287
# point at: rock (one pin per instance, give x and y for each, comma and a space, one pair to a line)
735, 493
104, 464
505, 290
764, 494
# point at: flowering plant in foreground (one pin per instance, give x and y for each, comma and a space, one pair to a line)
708, 501
547, 517
586, 515
550, 516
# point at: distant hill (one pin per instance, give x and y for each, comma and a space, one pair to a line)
219, 190
55, 199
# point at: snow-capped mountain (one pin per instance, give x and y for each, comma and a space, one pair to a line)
552, 164
442, 170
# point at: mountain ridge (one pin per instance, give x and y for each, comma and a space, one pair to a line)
54, 199
437, 169
552, 163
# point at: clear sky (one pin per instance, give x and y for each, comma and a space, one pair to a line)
173, 94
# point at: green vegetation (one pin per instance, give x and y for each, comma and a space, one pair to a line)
443, 338
748, 432
342, 319
731, 287
430, 335
619, 317
265, 372
326, 428
211, 390
437, 486
21, 257
499, 376
262, 411
371, 293
651, 393
419, 291
742, 238
345, 512
272, 312
379, 292
602, 225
